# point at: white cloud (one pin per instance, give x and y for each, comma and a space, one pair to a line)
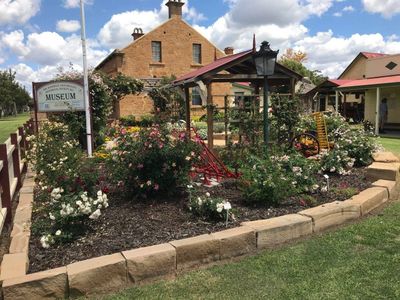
332, 55
116, 33
337, 14
283, 12
348, 8
18, 11
76, 3
14, 41
68, 25
387, 8
49, 49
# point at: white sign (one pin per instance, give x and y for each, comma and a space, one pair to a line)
60, 96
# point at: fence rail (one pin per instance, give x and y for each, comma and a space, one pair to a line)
12, 166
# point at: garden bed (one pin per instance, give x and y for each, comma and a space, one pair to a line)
128, 225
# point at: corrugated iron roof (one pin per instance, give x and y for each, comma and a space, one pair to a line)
372, 54
212, 66
371, 82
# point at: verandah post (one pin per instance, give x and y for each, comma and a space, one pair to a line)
210, 118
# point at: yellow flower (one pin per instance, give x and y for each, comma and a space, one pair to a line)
133, 129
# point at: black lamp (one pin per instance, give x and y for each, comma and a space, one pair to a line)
265, 61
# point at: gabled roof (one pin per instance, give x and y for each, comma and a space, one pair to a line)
367, 55
213, 66
121, 51
240, 63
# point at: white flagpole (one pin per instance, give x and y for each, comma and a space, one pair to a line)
86, 84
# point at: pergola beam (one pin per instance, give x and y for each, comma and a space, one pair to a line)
243, 77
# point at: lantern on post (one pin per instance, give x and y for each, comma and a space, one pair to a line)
265, 61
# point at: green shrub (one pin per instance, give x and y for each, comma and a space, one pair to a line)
145, 121
219, 127
270, 180
153, 161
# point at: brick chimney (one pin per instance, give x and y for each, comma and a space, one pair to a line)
229, 50
137, 33
175, 8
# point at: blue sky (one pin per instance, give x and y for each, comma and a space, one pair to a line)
37, 37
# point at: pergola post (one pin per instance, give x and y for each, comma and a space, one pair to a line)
210, 117
326, 101
187, 110
345, 106
377, 117
293, 87
337, 101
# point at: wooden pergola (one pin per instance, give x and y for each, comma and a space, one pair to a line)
234, 68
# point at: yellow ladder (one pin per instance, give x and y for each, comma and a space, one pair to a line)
321, 130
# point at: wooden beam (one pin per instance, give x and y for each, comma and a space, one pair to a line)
242, 77
210, 118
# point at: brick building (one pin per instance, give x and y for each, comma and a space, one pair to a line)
172, 48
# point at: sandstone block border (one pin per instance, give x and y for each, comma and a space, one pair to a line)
165, 261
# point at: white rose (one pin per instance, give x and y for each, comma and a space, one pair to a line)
227, 206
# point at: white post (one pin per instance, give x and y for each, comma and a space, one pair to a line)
377, 117
337, 101
86, 83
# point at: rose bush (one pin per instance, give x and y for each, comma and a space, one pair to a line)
152, 161
71, 189
270, 180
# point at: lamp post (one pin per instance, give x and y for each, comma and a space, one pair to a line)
265, 60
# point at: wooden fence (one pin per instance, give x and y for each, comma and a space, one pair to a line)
12, 166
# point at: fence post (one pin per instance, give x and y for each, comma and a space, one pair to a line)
15, 158
5, 183
23, 148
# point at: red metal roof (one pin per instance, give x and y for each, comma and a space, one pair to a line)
212, 66
371, 82
372, 54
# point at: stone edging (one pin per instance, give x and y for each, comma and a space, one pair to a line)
125, 269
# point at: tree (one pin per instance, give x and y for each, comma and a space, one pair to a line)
294, 60
297, 56
13, 97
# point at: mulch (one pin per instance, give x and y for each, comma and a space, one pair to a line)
127, 225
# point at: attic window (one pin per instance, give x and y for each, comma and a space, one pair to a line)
197, 53
156, 51
391, 65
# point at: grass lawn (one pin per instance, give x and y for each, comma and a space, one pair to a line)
392, 145
10, 124
360, 261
